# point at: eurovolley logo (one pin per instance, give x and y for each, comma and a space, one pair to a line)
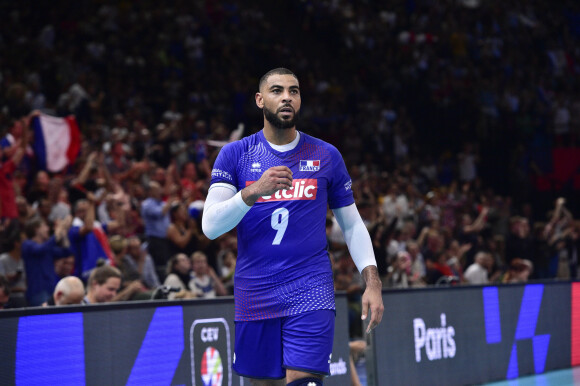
210, 352
212, 371
526, 327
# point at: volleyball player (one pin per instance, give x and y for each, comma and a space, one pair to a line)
276, 186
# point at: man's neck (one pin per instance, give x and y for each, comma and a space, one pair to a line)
278, 136
91, 298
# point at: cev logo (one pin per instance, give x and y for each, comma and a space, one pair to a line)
209, 334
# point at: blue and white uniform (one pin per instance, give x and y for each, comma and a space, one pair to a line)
283, 266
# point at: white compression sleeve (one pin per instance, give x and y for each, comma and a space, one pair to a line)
356, 236
223, 210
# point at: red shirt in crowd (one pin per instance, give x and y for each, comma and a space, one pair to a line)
7, 195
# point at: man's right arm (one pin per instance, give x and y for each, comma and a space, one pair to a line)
223, 210
224, 207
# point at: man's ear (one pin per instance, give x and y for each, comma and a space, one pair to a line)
259, 100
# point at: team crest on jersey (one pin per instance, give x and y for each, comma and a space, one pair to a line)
256, 167
309, 165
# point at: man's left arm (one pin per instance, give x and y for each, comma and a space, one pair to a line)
360, 247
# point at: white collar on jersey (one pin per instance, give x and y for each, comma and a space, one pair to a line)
288, 146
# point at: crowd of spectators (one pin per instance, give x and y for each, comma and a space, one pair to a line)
443, 110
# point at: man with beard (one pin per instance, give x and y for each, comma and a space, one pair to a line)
276, 186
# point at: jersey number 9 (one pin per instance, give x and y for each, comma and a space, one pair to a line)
279, 224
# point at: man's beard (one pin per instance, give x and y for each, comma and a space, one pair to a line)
280, 123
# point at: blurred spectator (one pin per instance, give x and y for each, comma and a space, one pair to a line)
438, 270
68, 290
519, 243
4, 293
430, 210
118, 164
560, 220
39, 252
141, 261
456, 267
88, 239
381, 234
561, 236
401, 274
495, 248
18, 137
190, 183
519, 271
418, 262
204, 282
457, 258
12, 264
226, 261
395, 204
14, 136
39, 189
542, 252
64, 267
58, 197
470, 233
132, 286
155, 214
40, 209
432, 244
7, 167
179, 275
182, 233
119, 248
478, 272
93, 181
468, 160
103, 285
114, 212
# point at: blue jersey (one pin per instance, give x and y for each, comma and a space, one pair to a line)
283, 266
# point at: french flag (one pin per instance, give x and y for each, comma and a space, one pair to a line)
57, 141
309, 165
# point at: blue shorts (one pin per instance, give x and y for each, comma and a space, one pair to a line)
264, 349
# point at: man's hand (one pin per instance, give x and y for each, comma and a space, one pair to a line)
372, 297
61, 228
274, 179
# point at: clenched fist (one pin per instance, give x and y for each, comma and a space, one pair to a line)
274, 179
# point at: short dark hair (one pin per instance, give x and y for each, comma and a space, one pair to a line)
276, 71
102, 273
32, 226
